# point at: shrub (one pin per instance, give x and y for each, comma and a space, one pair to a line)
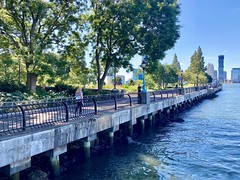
11, 87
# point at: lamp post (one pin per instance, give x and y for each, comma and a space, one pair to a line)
143, 65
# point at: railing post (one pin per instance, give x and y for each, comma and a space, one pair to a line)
115, 102
67, 112
95, 105
161, 95
24, 117
130, 99
172, 93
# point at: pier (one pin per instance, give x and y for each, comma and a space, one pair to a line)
50, 128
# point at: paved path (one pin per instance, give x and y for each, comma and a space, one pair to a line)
45, 114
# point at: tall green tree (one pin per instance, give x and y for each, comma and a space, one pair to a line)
176, 63
164, 74
111, 25
196, 71
34, 27
197, 62
121, 29
158, 29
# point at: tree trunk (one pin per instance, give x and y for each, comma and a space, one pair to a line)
100, 85
31, 81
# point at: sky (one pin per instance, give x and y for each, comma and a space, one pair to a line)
214, 25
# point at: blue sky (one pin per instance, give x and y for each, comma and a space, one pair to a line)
214, 25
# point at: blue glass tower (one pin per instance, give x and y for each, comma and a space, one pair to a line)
221, 68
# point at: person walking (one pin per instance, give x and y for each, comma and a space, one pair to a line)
79, 100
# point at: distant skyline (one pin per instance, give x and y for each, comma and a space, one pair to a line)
211, 24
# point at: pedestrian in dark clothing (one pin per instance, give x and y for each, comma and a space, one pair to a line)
139, 96
139, 88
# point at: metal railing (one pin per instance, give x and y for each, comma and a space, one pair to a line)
20, 117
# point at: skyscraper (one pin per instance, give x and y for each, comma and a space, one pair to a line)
210, 70
225, 75
235, 75
221, 68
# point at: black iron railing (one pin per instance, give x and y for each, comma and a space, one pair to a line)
16, 118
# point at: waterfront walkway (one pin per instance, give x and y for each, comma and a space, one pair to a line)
19, 116
51, 128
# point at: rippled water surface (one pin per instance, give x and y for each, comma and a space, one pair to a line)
205, 146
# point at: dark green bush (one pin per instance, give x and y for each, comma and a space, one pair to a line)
11, 87
62, 88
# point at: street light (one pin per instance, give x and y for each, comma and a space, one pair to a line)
143, 65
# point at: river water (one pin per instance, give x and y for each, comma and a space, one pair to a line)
205, 146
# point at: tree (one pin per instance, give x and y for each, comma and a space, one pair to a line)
170, 75
117, 80
34, 27
158, 74
52, 68
176, 63
150, 82
196, 70
209, 78
7, 67
158, 29
110, 26
121, 29
164, 74
197, 62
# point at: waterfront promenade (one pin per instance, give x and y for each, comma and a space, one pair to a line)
48, 128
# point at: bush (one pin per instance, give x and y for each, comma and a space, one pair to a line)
87, 92
62, 88
11, 87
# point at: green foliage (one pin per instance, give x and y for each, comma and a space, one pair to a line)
176, 63
158, 27
146, 28
130, 88
195, 73
65, 88
25, 96
209, 78
32, 27
197, 62
9, 86
44, 42
107, 23
151, 85
131, 82
163, 74
118, 81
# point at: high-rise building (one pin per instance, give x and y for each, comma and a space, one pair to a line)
210, 70
221, 68
215, 74
224, 75
235, 75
